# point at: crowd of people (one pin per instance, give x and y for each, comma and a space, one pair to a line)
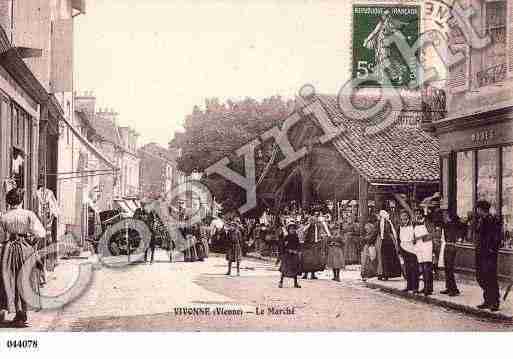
408, 243
191, 241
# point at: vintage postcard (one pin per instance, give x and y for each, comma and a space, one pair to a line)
255, 166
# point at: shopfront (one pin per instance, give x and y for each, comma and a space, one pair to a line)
21, 100
476, 159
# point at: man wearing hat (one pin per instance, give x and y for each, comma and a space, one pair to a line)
487, 235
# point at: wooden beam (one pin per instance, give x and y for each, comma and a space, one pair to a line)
363, 186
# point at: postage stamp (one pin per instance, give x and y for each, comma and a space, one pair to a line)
371, 25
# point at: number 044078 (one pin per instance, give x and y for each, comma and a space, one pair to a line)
22, 344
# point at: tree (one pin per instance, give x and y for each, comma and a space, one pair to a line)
221, 129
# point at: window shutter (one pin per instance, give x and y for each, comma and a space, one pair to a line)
459, 75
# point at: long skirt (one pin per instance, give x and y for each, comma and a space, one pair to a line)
190, 254
204, 241
369, 267
314, 256
390, 260
336, 259
290, 265
14, 254
201, 251
352, 255
234, 252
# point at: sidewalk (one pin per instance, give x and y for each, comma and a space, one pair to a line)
471, 295
59, 281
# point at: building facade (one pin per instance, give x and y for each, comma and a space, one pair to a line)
476, 139
41, 33
22, 99
158, 172
119, 144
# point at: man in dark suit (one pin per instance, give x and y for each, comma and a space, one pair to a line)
450, 230
487, 234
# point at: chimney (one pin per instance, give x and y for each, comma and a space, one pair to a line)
85, 103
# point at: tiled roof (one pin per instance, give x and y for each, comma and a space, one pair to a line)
396, 154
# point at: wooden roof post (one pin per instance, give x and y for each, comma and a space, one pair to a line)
363, 204
306, 179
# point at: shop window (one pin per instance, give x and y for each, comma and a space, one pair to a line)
464, 184
507, 195
487, 177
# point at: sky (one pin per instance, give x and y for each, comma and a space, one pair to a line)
153, 60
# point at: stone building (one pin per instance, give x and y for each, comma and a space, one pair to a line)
119, 145
158, 172
476, 138
40, 37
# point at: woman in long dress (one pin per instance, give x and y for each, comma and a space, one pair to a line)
352, 239
336, 260
315, 247
18, 226
369, 257
389, 251
290, 266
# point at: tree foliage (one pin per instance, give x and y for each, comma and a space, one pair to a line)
221, 129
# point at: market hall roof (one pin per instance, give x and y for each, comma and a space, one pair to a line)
399, 154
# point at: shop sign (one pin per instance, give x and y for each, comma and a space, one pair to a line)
483, 136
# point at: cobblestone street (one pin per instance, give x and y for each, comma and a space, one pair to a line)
143, 297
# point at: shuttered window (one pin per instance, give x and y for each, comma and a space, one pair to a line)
459, 78
494, 65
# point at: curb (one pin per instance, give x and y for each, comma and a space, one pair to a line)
444, 303
260, 258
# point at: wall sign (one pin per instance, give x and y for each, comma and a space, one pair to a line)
481, 137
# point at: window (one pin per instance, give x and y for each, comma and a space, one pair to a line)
18, 118
494, 65
507, 195
487, 177
21, 150
464, 184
